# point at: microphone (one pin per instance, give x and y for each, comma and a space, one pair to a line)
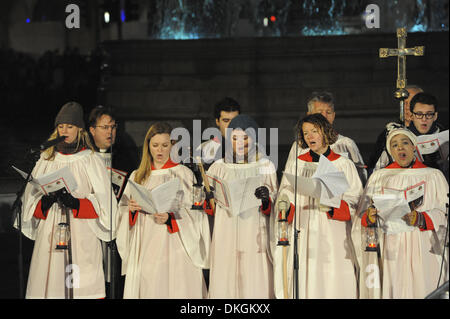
48, 144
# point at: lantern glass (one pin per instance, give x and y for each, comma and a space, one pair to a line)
371, 238
197, 197
62, 236
283, 231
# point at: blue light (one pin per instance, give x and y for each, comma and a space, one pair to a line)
122, 15
28, 20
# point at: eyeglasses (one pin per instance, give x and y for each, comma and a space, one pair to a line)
428, 116
107, 127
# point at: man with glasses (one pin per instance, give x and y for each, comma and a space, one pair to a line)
424, 116
380, 157
120, 154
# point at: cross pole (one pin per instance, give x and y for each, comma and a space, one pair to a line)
401, 52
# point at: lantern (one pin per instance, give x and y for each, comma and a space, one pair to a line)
372, 237
283, 229
62, 236
197, 196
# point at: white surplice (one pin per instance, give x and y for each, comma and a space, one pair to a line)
159, 264
326, 256
240, 261
47, 274
410, 261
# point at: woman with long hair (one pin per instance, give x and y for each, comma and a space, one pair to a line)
89, 218
163, 253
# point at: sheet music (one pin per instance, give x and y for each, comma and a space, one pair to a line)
327, 184
158, 200
236, 196
430, 143
393, 204
118, 180
52, 182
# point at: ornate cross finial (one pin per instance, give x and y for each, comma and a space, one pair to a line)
401, 52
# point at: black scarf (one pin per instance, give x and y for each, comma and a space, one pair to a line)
68, 148
433, 129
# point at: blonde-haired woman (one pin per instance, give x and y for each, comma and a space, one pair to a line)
90, 217
162, 253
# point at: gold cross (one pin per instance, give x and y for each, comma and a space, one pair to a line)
401, 52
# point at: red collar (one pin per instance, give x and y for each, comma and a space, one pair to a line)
307, 157
215, 139
168, 164
417, 164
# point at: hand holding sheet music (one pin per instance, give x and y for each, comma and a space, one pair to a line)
394, 204
52, 182
326, 184
158, 200
236, 196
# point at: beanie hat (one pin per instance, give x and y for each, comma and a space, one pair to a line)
70, 113
244, 122
249, 125
394, 129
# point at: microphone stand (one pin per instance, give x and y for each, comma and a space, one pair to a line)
113, 246
17, 214
296, 232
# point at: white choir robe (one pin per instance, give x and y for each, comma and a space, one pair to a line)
47, 274
326, 256
344, 146
240, 260
409, 262
158, 263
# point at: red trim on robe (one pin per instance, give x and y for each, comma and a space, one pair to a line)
342, 213
308, 158
86, 210
268, 209
417, 164
207, 209
173, 227
132, 218
364, 221
38, 211
168, 164
428, 223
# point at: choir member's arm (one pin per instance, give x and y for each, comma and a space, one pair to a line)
262, 193
43, 206
342, 213
419, 219
206, 203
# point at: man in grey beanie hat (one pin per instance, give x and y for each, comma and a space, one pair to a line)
71, 113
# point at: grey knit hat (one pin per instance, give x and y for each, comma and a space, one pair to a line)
70, 113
